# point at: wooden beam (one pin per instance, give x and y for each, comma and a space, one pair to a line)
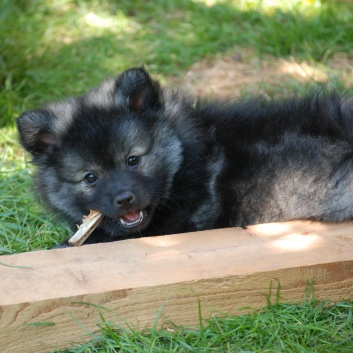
46, 296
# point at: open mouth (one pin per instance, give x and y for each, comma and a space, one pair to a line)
133, 219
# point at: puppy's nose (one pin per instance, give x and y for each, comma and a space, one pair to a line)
124, 199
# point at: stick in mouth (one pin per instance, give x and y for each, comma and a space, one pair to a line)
89, 224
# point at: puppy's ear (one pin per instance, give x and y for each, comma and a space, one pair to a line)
137, 90
35, 131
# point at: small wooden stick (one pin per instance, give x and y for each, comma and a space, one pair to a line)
89, 224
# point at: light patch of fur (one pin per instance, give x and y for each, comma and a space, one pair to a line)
210, 209
55, 190
293, 198
102, 96
286, 188
172, 106
169, 149
338, 205
64, 112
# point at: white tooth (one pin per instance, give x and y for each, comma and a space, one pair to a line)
131, 224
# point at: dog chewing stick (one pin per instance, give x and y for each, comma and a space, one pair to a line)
88, 225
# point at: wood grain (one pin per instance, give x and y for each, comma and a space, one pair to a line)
50, 299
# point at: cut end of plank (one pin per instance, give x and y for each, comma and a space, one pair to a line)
89, 224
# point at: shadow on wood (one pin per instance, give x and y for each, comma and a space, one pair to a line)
48, 299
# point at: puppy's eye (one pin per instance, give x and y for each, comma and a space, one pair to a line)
90, 179
133, 161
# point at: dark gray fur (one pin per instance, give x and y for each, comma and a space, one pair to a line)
202, 164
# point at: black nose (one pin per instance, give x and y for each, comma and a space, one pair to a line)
124, 199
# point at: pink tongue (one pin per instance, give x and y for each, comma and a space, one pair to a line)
132, 216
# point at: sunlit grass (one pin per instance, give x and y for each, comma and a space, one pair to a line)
307, 7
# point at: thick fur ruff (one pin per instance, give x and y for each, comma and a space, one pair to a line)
155, 162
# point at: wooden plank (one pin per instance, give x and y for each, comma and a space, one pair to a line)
45, 296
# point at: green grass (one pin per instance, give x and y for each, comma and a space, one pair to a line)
47, 45
310, 327
50, 49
